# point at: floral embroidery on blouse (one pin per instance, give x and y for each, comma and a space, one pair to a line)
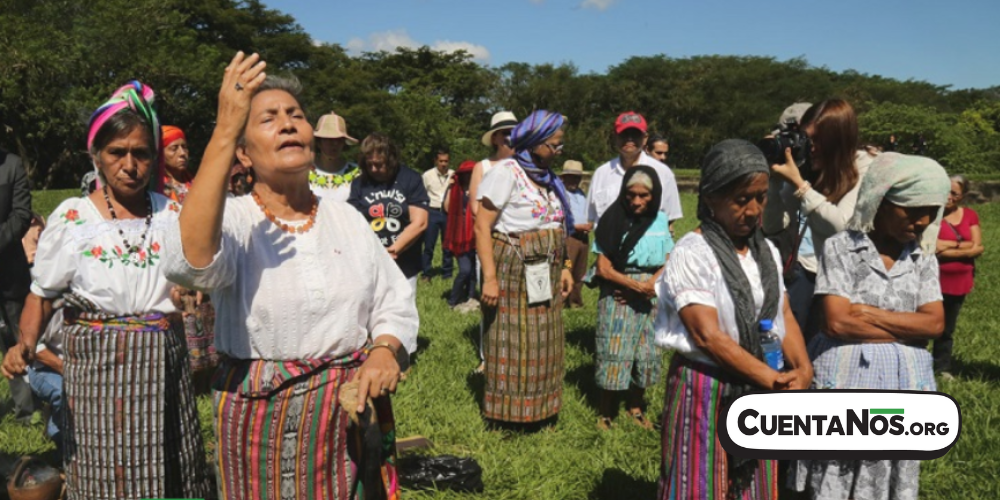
143, 258
173, 206
542, 207
71, 216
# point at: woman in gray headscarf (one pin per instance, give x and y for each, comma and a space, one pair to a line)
721, 282
880, 293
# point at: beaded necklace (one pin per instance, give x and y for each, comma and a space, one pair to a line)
131, 249
285, 227
320, 179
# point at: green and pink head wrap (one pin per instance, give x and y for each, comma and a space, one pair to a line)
138, 98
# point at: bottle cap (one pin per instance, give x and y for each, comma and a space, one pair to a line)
766, 325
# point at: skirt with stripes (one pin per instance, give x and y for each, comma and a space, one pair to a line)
282, 435
694, 464
524, 342
626, 354
131, 423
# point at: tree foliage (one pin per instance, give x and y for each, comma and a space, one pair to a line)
61, 58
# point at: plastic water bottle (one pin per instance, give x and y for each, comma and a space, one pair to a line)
770, 343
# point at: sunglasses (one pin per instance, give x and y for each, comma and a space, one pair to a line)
632, 118
555, 147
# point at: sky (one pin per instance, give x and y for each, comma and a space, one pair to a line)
944, 43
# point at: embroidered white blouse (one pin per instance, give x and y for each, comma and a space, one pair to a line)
82, 252
693, 276
522, 207
283, 296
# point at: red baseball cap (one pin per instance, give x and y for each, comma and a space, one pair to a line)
630, 119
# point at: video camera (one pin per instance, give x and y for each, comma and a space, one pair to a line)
789, 135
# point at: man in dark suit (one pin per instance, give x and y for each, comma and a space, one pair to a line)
15, 277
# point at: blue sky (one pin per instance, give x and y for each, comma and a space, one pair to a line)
945, 43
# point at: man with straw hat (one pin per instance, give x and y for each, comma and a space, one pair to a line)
497, 138
332, 173
578, 242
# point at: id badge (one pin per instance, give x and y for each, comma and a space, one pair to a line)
539, 281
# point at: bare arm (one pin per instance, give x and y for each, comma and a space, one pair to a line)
703, 323
36, 313
862, 323
49, 359
477, 177
484, 248
606, 271
201, 218
949, 250
411, 233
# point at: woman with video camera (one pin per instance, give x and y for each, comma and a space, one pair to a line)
816, 197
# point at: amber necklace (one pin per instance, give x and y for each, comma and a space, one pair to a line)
285, 227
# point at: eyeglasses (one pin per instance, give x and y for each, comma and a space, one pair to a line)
555, 147
630, 118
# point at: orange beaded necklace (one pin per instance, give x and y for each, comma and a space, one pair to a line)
285, 227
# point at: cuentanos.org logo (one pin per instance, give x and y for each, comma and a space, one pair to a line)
841, 425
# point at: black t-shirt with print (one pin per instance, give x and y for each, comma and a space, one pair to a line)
386, 206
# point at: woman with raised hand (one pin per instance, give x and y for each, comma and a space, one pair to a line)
520, 239
306, 300
882, 302
632, 243
131, 423
721, 285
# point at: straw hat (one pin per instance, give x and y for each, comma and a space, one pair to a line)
333, 126
501, 121
572, 167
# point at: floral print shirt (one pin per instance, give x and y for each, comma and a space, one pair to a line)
82, 252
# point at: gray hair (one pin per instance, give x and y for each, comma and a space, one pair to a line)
642, 179
289, 84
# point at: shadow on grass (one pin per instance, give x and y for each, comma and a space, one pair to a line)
422, 344
583, 378
975, 370
582, 338
615, 484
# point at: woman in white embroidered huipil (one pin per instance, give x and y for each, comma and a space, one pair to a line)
131, 424
306, 298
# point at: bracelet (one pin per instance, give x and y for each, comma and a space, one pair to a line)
385, 345
806, 186
568, 265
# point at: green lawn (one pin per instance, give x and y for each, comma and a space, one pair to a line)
574, 460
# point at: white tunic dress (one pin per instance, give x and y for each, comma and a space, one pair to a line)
283, 296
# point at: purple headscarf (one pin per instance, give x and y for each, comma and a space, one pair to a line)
527, 135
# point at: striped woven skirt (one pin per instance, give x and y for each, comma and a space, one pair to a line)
282, 435
694, 464
131, 423
626, 354
524, 343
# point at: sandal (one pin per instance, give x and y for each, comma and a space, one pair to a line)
604, 423
640, 419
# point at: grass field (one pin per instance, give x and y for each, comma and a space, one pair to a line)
574, 460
